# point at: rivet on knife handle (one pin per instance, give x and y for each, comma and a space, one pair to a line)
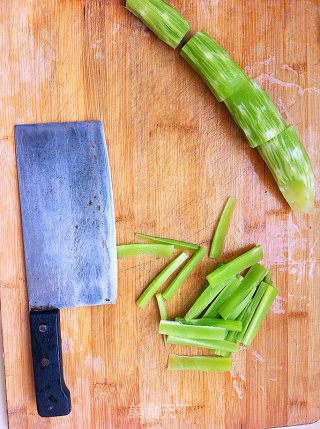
53, 397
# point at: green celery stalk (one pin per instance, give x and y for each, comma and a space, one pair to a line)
237, 310
235, 266
199, 363
267, 278
129, 250
250, 310
183, 274
177, 329
160, 279
253, 277
222, 228
203, 300
212, 310
162, 307
231, 325
161, 18
259, 315
180, 245
291, 168
217, 69
255, 113
206, 344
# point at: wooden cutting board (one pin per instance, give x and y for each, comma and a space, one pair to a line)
175, 157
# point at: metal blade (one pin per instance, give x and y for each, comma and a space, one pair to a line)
67, 214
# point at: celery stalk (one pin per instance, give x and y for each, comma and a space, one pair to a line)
184, 274
199, 363
231, 325
238, 309
129, 250
267, 278
222, 228
206, 344
178, 329
259, 315
217, 69
291, 168
212, 310
160, 279
180, 245
162, 307
255, 113
235, 266
253, 277
250, 310
161, 18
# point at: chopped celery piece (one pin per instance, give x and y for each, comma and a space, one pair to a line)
203, 301
180, 245
160, 279
222, 228
178, 329
259, 315
199, 363
212, 310
161, 18
267, 278
206, 344
255, 113
129, 250
217, 69
184, 273
251, 280
235, 266
291, 168
235, 313
162, 307
231, 325
253, 304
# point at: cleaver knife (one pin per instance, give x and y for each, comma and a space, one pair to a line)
69, 239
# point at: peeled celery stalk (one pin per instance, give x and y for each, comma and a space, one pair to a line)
217, 69
148, 293
178, 329
291, 168
161, 18
235, 266
206, 344
231, 325
255, 113
180, 245
162, 307
199, 363
222, 228
212, 310
129, 250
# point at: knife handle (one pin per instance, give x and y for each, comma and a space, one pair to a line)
53, 397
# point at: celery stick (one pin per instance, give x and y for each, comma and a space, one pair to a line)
212, 310
203, 301
161, 18
199, 363
160, 279
222, 228
180, 245
183, 274
267, 278
253, 277
231, 325
129, 250
206, 344
178, 329
162, 307
255, 113
217, 69
236, 266
291, 168
238, 309
251, 309
259, 315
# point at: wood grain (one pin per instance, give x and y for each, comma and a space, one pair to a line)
175, 157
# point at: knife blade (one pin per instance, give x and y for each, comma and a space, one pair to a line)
69, 238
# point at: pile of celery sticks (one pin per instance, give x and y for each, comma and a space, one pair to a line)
229, 310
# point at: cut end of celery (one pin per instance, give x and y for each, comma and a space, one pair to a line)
299, 196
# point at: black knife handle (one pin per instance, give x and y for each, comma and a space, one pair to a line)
53, 397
